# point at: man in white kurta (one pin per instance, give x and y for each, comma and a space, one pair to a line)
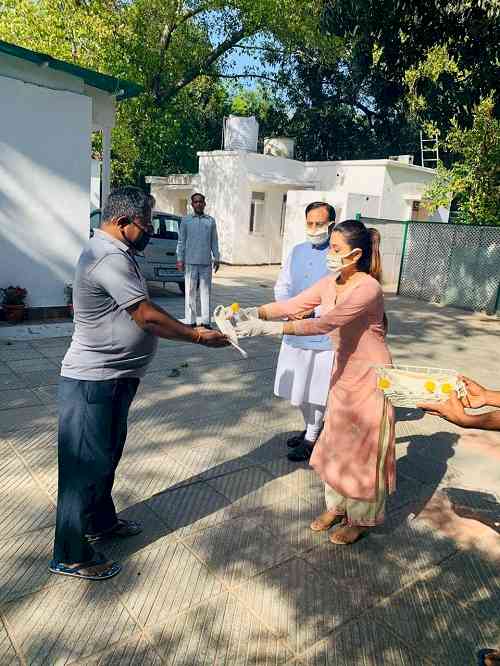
305, 363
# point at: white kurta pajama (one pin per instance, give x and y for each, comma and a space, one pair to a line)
305, 364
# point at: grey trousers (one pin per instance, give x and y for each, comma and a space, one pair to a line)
192, 273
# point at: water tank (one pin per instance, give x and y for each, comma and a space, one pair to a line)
279, 146
241, 133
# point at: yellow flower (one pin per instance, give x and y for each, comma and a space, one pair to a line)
446, 388
235, 307
430, 386
384, 383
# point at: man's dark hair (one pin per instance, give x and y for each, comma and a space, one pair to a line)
198, 194
128, 202
322, 204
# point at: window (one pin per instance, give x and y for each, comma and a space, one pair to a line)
95, 219
257, 203
283, 216
165, 227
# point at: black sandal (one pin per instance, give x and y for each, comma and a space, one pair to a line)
296, 440
123, 529
301, 454
79, 571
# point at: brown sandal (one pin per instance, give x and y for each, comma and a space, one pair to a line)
322, 523
346, 536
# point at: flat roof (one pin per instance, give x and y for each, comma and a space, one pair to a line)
121, 88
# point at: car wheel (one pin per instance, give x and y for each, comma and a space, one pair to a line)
182, 287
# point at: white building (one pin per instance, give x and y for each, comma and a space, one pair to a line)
48, 111
258, 199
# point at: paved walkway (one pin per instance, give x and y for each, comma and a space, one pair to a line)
227, 571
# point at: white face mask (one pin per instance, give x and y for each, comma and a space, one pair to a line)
334, 262
317, 238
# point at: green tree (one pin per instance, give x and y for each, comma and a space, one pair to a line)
179, 51
473, 180
359, 102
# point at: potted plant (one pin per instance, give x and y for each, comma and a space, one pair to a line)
13, 303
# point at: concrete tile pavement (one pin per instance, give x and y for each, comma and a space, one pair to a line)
226, 570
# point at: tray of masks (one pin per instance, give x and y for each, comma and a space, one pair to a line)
409, 385
225, 318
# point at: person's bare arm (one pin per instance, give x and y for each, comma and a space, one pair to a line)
154, 319
453, 410
488, 421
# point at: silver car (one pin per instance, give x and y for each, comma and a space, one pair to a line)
159, 258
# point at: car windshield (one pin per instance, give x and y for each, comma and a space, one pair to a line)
165, 227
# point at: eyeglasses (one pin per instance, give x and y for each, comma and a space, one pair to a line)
148, 229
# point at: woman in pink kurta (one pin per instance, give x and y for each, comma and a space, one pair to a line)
355, 452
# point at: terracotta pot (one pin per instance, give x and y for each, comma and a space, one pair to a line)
14, 313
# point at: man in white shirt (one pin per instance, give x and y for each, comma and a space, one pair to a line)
305, 363
197, 252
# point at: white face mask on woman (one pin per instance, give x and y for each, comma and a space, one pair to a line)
334, 262
317, 238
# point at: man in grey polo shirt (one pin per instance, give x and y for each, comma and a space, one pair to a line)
197, 252
115, 338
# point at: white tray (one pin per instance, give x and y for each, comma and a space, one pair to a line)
409, 385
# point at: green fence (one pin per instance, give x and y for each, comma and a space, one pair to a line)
452, 264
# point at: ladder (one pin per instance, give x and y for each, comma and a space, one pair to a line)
429, 146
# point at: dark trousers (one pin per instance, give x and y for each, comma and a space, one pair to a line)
92, 432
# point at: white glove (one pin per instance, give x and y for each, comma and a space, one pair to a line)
253, 327
246, 314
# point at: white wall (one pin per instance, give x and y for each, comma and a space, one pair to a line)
365, 205
227, 178
269, 167
95, 184
169, 199
221, 181
400, 183
274, 176
44, 187
391, 248
360, 177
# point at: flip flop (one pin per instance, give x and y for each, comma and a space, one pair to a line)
79, 572
123, 529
